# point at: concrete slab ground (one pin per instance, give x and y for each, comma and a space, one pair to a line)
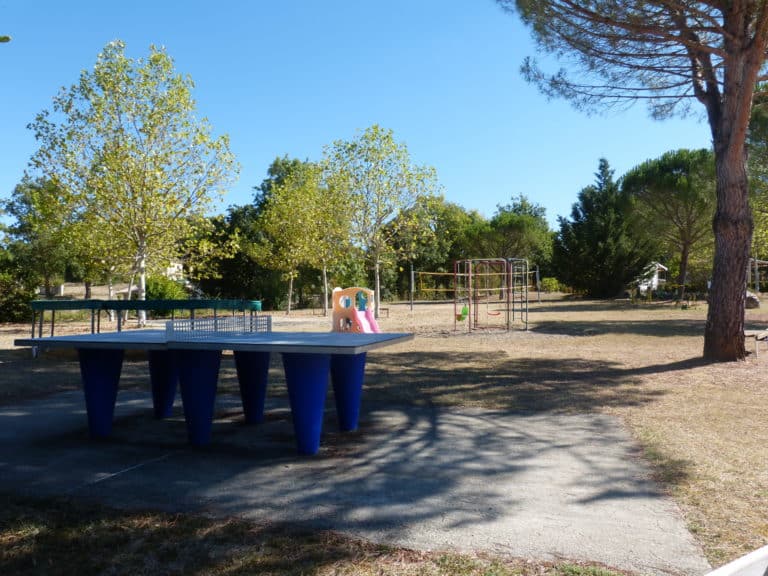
542, 486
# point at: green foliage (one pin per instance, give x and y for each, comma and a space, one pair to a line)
442, 232
300, 223
594, 251
757, 141
520, 230
613, 60
14, 299
139, 170
414, 231
350, 270
445, 233
39, 236
426, 238
675, 202
375, 174
277, 173
550, 285
163, 288
241, 276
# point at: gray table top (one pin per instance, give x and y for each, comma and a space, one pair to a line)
284, 342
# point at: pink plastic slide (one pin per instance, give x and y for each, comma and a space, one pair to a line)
367, 321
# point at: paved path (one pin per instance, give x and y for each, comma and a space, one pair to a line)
543, 486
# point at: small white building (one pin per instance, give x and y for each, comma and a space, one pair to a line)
654, 275
175, 270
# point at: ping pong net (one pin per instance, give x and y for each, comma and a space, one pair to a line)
204, 328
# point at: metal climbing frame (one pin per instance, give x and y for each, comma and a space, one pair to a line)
518, 289
491, 293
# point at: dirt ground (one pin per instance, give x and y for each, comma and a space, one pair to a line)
702, 426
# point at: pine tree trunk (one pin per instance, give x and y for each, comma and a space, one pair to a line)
728, 116
683, 277
724, 331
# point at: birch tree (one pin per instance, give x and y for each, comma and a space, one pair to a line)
140, 168
376, 174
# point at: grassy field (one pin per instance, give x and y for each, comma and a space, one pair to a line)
701, 426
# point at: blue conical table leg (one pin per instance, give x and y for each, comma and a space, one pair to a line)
100, 372
163, 377
198, 376
252, 375
347, 375
306, 376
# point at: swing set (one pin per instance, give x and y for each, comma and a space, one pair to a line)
491, 293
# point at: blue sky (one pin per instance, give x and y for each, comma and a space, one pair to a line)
290, 76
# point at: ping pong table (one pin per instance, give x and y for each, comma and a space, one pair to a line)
309, 358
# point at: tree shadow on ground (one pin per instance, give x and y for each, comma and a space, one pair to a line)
492, 381
407, 472
411, 464
667, 328
23, 376
526, 385
589, 306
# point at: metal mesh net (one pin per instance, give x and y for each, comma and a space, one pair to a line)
202, 328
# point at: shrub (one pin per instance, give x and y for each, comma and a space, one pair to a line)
14, 299
550, 285
162, 288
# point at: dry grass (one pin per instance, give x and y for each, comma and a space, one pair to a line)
59, 538
702, 426
706, 432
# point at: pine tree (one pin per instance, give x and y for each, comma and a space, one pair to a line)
595, 251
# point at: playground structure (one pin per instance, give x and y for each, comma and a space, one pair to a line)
491, 293
352, 311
